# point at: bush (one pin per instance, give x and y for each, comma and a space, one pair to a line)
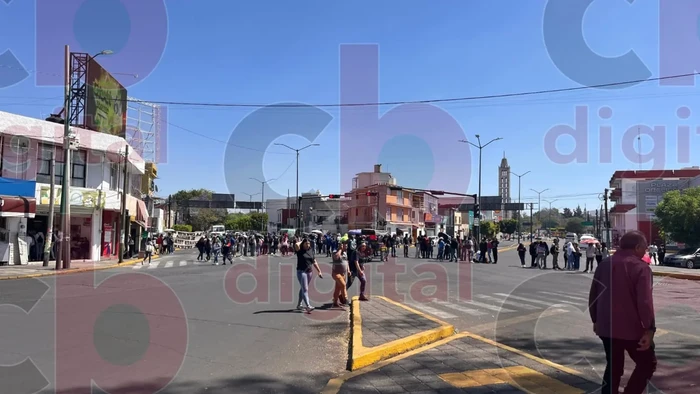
183, 227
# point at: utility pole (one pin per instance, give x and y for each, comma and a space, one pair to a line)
539, 204
607, 220
169, 211
49, 230
298, 196
531, 222
597, 225
67, 164
124, 242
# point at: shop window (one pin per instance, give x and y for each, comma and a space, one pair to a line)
114, 176
4, 232
43, 174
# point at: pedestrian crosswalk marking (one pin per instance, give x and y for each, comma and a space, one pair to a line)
545, 303
507, 302
153, 266
432, 311
461, 308
564, 295
489, 306
183, 263
168, 264
138, 267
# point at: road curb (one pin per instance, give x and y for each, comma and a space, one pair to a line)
335, 384
361, 356
677, 275
76, 271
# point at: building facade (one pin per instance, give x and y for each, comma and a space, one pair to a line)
97, 182
635, 194
504, 187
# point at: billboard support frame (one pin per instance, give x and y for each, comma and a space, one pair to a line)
78, 89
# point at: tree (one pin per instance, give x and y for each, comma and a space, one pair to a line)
574, 225
258, 220
194, 194
205, 218
508, 226
578, 212
489, 229
183, 227
678, 215
567, 213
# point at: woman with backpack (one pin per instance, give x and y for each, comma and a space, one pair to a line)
149, 251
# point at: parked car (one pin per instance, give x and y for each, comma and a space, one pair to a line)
688, 258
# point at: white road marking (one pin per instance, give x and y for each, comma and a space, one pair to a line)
137, 266
545, 303
153, 266
169, 264
460, 308
508, 302
489, 306
433, 311
183, 263
564, 295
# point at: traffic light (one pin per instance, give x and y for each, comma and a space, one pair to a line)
369, 194
334, 196
477, 211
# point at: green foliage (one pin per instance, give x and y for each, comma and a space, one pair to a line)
205, 218
183, 227
678, 215
186, 195
578, 212
508, 226
574, 225
238, 222
567, 213
488, 229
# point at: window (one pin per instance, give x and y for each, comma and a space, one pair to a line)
399, 196
114, 176
78, 173
400, 214
388, 214
43, 172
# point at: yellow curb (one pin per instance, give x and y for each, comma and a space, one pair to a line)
76, 271
361, 356
677, 275
334, 384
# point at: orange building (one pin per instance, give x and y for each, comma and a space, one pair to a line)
376, 202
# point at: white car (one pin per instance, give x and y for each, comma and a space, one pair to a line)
586, 237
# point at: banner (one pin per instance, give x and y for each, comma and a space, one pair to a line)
79, 198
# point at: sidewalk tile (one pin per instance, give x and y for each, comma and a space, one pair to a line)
383, 322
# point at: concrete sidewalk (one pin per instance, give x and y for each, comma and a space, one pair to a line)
464, 363
675, 272
35, 269
382, 328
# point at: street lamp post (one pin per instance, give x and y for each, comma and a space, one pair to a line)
480, 147
251, 197
550, 209
298, 196
262, 198
520, 212
539, 203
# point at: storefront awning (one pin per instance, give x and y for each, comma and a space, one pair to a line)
23, 207
141, 214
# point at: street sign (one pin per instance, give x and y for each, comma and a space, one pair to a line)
586, 223
476, 221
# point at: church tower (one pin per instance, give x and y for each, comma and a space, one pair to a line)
504, 184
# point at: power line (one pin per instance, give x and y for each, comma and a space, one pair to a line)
428, 101
225, 142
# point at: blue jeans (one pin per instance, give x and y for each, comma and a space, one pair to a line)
304, 278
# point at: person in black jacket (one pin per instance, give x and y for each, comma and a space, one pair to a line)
494, 250
483, 250
533, 253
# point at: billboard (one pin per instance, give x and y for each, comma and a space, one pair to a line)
106, 103
650, 194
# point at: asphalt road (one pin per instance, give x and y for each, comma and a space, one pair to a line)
196, 328
177, 324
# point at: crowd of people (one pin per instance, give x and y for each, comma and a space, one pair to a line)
571, 252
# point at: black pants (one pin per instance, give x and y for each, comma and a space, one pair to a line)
405, 250
589, 263
555, 262
532, 261
494, 251
615, 355
522, 259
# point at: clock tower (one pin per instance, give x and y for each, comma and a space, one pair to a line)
504, 184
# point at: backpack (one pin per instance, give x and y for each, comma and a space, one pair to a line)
553, 249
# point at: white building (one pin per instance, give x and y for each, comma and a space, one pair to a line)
97, 181
377, 177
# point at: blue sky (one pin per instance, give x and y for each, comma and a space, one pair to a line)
283, 52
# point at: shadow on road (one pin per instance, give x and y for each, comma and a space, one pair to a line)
678, 369
291, 383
